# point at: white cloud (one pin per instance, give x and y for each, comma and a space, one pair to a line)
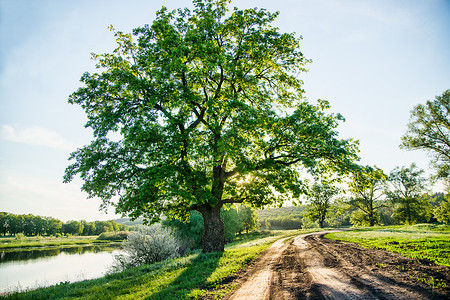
34, 136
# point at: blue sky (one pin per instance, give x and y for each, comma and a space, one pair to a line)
373, 60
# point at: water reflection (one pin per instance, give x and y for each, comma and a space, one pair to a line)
32, 254
38, 268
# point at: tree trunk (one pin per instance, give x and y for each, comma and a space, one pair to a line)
371, 219
321, 223
213, 229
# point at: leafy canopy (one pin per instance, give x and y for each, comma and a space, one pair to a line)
429, 129
407, 194
209, 110
367, 186
320, 199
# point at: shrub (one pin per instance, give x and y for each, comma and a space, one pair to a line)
147, 246
19, 236
114, 236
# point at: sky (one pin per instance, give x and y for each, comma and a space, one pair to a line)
374, 60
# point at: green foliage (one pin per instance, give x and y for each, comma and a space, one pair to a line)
421, 241
361, 219
442, 212
282, 218
54, 226
73, 227
209, 112
429, 129
189, 233
366, 186
232, 223
4, 222
320, 199
248, 218
31, 225
407, 195
339, 214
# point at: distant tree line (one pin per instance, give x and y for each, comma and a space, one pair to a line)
400, 198
31, 225
281, 218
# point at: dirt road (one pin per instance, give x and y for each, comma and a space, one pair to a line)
313, 267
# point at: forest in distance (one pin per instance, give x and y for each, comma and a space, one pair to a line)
31, 225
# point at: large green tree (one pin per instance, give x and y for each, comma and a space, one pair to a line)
429, 129
208, 108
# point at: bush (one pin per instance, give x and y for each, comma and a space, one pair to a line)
20, 236
114, 236
147, 246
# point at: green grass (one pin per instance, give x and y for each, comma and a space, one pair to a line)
421, 241
11, 243
193, 276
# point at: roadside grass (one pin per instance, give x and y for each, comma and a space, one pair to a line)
11, 243
421, 241
193, 276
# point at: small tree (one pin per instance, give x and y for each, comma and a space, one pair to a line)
408, 188
367, 186
16, 223
4, 223
442, 212
429, 129
88, 228
320, 199
248, 218
73, 227
53, 225
40, 225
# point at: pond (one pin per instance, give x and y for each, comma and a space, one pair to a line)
29, 269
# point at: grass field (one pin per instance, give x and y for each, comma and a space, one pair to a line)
421, 241
11, 243
192, 276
